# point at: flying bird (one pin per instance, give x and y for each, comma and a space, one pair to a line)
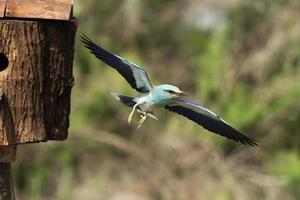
166, 96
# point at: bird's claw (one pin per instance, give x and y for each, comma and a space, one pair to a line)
129, 119
130, 116
142, 120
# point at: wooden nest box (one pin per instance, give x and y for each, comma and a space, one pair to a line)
36, 58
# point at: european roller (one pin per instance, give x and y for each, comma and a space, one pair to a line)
165, 96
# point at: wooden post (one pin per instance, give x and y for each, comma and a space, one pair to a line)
7, 155
6, 183
36, 78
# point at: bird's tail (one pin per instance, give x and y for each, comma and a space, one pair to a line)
127, 100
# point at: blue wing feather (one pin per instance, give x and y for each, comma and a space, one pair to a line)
134, 74
209, 120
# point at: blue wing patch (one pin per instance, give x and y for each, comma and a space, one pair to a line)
209, 120
135, 75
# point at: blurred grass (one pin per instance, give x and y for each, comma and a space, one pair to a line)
244, 65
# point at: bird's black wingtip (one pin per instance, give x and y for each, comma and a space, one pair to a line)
231, 133
246, 140
87, 42
250, 141
85, 39
254, 143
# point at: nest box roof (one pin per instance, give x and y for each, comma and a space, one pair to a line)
37, 9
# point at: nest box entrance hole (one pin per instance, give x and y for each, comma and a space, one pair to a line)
3, 61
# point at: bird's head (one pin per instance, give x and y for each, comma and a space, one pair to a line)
167, 91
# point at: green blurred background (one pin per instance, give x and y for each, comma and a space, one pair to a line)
240, 58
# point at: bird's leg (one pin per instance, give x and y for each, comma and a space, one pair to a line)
130, 115
144, 117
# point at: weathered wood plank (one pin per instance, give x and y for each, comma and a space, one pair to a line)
39, 9
37, 83
2, 7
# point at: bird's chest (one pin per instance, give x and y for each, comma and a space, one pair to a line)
150, 102
145, 104
158, 101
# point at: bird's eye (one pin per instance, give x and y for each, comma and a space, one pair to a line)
170, 91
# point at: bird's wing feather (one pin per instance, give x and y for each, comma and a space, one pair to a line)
127, 100
135, 75
209, 120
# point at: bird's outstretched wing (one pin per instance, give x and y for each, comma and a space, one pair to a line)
134, 74
208, 120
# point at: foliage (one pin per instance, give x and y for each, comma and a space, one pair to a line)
243, 65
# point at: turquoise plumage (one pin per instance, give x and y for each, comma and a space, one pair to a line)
162, 96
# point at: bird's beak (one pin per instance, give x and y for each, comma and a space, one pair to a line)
182, 94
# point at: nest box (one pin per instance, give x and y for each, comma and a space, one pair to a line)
36, 58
